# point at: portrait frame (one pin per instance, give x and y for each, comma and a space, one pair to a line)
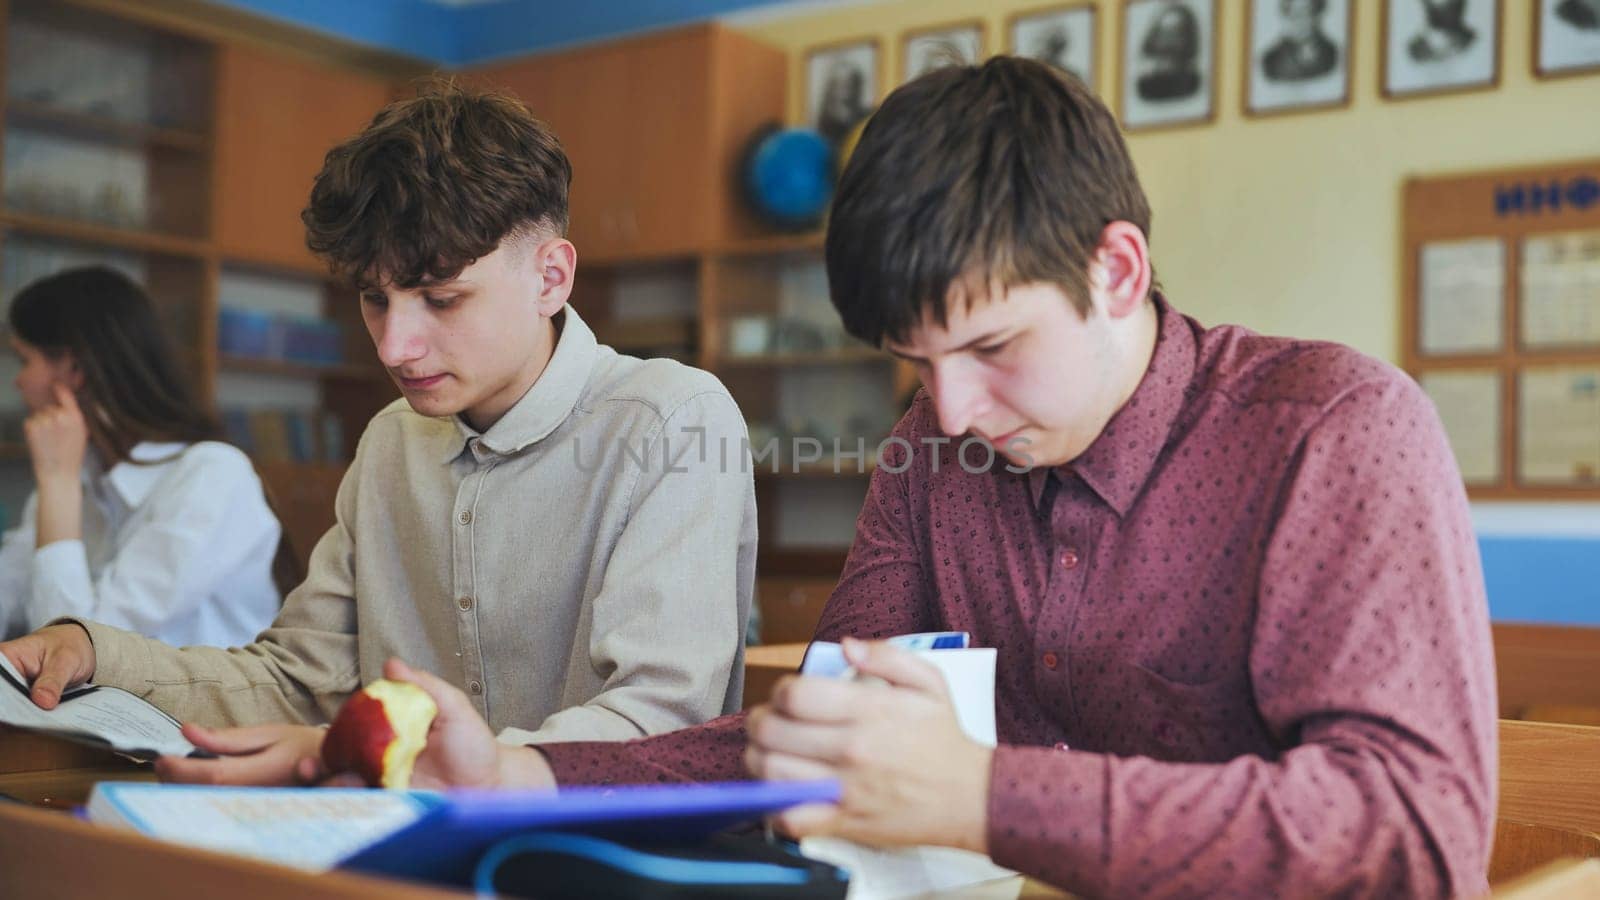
1264, 96
928, 40
862, 54
1561, 47
1077, 19
1400, 77
1140, 104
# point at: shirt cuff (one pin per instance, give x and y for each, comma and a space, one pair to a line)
61, 582
1048, 817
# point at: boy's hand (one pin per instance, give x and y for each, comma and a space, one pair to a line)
273, 755
907, 773
461, 750
52, 659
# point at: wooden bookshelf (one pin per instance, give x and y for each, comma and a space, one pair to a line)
849, 356
102, 235
42, 117
291, 369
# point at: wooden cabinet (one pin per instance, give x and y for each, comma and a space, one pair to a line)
791, 607
655, 127
276, 118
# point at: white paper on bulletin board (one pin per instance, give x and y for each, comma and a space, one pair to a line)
1462, 296
1559, 443
1561, 289
1469, 405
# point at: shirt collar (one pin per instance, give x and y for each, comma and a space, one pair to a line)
147, 462
1118, 463
547, 404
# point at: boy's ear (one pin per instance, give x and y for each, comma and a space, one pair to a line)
1120, 268
556, 261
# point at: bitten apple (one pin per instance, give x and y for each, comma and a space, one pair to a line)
379, 732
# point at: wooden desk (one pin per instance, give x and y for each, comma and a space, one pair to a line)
44, 771
46, 853
764, 665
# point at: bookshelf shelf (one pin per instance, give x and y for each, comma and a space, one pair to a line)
290, 369
102, 235
43, 117
847, 357
646, 333
808, 242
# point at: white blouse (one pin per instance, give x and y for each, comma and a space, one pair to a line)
177, 546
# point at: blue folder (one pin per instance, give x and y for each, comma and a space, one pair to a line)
446, 842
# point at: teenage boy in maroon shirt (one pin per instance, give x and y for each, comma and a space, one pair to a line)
1243, 642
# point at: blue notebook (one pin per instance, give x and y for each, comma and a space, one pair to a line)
430, 836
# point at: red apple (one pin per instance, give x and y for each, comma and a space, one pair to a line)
379, 732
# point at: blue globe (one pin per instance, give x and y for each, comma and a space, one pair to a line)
788, 176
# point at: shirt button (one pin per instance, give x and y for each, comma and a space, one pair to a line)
1069, 559
465, 603
476, 687
1061, 745
465, 518
1051, 660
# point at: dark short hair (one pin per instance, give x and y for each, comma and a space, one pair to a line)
134, 388
434, 183
1004, 173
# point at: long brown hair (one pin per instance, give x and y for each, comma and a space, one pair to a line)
133, 386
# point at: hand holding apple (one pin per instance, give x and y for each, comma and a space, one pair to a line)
379, 732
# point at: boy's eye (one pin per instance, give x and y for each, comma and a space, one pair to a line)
991, 349
442, 302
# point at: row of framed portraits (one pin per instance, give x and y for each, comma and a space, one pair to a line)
1298, 54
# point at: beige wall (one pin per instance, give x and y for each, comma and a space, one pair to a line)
1286, 224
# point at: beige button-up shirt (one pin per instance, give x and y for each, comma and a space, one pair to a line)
582, 570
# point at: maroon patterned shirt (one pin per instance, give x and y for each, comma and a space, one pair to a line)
1252, 609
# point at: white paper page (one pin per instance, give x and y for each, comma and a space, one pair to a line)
126, 723
878, 873
310, 828
1462, 296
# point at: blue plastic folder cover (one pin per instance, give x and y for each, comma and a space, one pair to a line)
446, 842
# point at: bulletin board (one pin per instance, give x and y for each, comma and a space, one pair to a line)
1500, 288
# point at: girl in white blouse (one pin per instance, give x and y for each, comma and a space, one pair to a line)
140, 518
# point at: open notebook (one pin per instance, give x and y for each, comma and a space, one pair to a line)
102, 716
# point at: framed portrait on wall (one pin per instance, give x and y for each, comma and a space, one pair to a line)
1566, 37
1435, 46
1169, 63
1063, 36
1298, 55
925, 49
841, 86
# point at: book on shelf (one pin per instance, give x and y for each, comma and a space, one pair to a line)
278, 436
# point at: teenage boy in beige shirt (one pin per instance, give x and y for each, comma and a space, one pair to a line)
562, 532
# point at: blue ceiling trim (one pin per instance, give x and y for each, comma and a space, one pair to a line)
462, 35
515, 27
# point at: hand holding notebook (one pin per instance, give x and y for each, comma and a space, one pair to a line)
923, 707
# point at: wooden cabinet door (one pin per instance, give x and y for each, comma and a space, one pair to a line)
276, 118
581, 95
666, 136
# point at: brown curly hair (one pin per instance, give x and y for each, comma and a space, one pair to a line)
432, 184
